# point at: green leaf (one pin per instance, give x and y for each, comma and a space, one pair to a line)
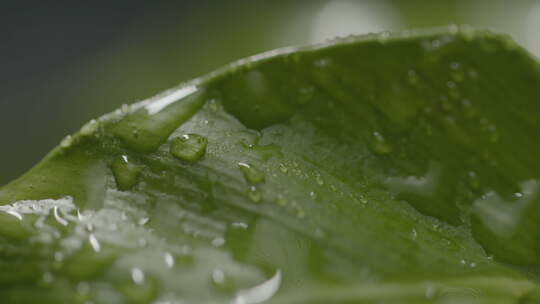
397, 168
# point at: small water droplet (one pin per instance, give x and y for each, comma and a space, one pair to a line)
240, 225
66, 142
283, 168
221, 281
254, 194
472, 265
169, 259
126, 174
379, 144
251, 173
218, 242
188, 147
143, 221
414, 234
313, 195
137, 275
463, 262
89, 128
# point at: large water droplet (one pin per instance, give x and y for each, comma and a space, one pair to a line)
126, 174
188, 147
251, 173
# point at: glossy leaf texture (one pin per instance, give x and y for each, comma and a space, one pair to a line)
391, 168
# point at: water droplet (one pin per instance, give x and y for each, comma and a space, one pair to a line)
472, 264
379, 144
240, 225
143, 221
126, 174
89, 128
313, 195
188, 147
169, 259
283, 168
221, 281
254, 194
251, 173
137, 275
66, 142
218, 242
58, 218
94, 242
414, 234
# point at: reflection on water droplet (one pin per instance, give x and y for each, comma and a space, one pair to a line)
188, 147
137, 275
251, 173
254, 194
259, 293
169, 259
126, 174
58, 218
94, 242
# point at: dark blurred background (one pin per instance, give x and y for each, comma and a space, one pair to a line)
63, 63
